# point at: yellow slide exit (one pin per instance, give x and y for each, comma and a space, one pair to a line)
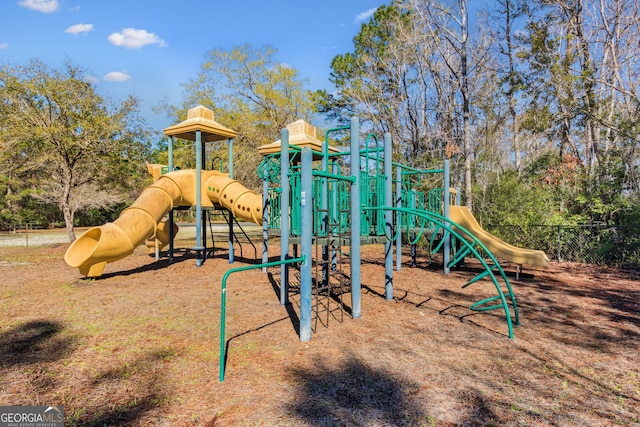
463, 216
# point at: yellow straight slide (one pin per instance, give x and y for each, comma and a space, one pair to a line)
463, 216
144, 218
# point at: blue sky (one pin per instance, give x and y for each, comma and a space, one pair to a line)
147, 48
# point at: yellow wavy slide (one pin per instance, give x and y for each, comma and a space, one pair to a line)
144, 219
463, 216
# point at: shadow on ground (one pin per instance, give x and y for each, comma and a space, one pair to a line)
135, 388
34, 342
353, 394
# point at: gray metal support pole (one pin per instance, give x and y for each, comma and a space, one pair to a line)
306, 202
170, 155
446, 254
354, 164
230, 159
231, 250
198, 247
399, 218
230, 169
205, 213
388, 218
284, 215
265, 220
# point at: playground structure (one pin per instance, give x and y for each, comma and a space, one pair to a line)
145, 218
314, 196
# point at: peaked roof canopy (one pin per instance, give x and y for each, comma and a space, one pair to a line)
301, 134
200, 119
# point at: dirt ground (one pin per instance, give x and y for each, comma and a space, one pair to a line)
140, 346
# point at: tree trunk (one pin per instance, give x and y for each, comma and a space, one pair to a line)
68, 221
65, 204
512, 85
465, 107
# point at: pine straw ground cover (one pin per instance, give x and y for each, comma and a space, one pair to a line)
140, 347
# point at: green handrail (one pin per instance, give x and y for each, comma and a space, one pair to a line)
449, 225
419, 234
223, 300
335, 177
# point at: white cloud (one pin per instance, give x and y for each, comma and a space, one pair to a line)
79, 28
365, 15
117, 76
44, 6
4, 46
91, 79
132, 38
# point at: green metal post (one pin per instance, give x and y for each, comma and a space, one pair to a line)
265, 218
324, 207
334, 214
446, 255
354, 164
398, 218
388, 218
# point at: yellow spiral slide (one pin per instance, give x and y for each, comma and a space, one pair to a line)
144, 219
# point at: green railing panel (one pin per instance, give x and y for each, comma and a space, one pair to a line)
344, 206
275, 208
380, 192
294, 180
365, 220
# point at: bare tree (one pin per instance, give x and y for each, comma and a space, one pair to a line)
502, 27
449, 23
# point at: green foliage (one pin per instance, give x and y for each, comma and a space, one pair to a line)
631, 215
23, 208
64, 144
554, 191
93, 216
511, 200
251, 93
628, 240
590, 223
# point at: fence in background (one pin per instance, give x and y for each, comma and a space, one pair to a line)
592, 244
18, 228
